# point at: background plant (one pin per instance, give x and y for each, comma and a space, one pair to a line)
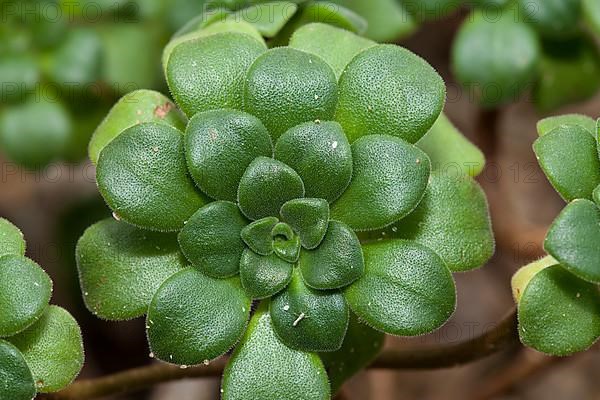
41, 349
558, 297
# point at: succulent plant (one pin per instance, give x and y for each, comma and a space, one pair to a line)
293, 198
558, 297
41, 349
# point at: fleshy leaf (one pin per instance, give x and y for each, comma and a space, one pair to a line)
257, 235
268, 18
36, 132
555, 19
450, 151
569, 157
321, 155
338, 50
143, 177
25, 291
336, 263
387, 20
262, 367
53, 349
134, 108
206, 18
16, 382
549, 124
406, 289
264, 276
361, 345
559, 314
211, 239
208, 73
286, 87
194, 318
309, 320
496, 59
403, 98
334, 15
265, 186
11, 239
452, 219
389, 180
287, 249
309, 218
222, 26
120, 267
523, 276
569, 71
573, 239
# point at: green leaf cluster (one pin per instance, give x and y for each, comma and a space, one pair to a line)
41, 349
506, 49
280, 190
559, 297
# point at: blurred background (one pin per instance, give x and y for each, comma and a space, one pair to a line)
63, 63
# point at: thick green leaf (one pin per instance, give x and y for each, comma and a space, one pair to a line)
262, 367
211, 239
208, 73
555, 19
308, 218
267, 18
194, 318
389, 180
35, 133
332, 14
11, 239
287, 248
134, 108
263, 276
573, 239
450, 151
406, 289
386, 89
206, 17
219, 146
496, 59
265, 186
360, 347
387, 20
309, 320
120, 267
286, 87
591, 12
559, 314
569, 158
16, 381
452, 219
53, 349
25, 291
321, 154
547, 125
214, 28
338, 50
336, 263
257, 235
569, 72
143, 177
523, 276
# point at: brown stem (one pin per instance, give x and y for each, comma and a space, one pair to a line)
501, 337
